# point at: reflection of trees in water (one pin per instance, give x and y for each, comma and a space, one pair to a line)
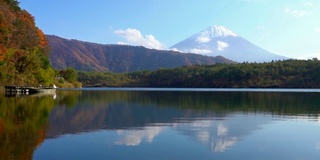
277, 103
23, 120
228, 102
94, 110
23, 123
68, 98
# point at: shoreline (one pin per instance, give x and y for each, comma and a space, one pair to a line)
280, 90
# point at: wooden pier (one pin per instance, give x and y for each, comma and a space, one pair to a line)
13, 90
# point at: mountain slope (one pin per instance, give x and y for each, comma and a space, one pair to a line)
218, 40
119, 58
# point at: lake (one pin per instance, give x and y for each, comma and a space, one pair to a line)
161, 124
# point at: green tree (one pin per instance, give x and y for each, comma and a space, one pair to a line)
24, 54
70, 75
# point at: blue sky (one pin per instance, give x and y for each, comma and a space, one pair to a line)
286, 27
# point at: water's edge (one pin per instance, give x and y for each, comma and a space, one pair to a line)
197, 89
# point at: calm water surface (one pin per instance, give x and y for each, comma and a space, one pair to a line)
164, 124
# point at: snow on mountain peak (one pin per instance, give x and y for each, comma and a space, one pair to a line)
218, 40
208, 34
219, 31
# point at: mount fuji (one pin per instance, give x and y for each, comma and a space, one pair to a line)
218, 40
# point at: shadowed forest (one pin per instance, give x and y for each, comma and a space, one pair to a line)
276, 74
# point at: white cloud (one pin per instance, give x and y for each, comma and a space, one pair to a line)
317, 29
203, 39
203, 136
175, 49
222, 45
224, 143
222, 130
308, 4
134, 37
135, 137
296, 13
194, 50
199, 51
122, 43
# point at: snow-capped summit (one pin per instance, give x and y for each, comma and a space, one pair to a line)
216, 31
220, 31
211, 32
218, 40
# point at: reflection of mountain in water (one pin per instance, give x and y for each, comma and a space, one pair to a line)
219, 135
135, 137
94, 110
205, 116
113, 116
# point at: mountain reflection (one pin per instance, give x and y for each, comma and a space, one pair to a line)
216, 138
135, 137
94, 110
214, 119
138, 116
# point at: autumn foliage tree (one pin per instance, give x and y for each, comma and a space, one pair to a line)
24, 49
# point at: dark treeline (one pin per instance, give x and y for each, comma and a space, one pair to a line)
276, 74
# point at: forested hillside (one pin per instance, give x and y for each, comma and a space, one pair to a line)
24, 49
87, 56
280, 74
